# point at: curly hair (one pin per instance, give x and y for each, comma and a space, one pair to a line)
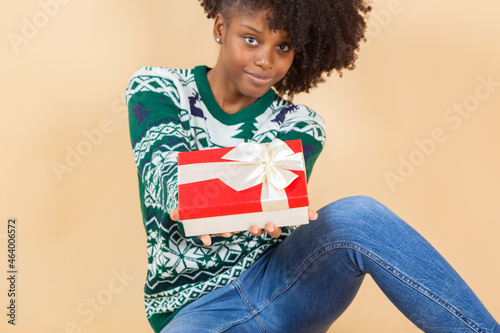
325, 34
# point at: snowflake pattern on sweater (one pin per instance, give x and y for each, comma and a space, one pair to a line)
174, 110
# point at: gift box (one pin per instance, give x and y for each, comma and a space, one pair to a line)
234, 188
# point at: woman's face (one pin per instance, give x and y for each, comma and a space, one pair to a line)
254, 58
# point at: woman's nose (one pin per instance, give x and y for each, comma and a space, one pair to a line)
264, 59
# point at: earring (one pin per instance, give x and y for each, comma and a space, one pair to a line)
217, 40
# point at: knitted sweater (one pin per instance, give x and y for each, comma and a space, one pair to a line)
174, 110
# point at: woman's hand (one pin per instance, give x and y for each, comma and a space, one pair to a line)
206, 239
270, 228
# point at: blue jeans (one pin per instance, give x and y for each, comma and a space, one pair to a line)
305, 283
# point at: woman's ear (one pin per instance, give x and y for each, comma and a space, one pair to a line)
219, 28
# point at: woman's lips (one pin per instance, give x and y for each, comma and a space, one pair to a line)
259, 79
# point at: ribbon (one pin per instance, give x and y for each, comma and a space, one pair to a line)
251, 164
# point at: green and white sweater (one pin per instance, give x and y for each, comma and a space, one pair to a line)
174, 110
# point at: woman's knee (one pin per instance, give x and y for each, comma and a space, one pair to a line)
353, 216
355, 207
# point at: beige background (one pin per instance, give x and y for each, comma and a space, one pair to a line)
76, 232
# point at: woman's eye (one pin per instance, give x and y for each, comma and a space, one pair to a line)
284, 48
251, 40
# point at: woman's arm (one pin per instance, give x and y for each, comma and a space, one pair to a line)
157, 135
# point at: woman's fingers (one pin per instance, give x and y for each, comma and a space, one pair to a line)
206, 239
270, 228
225, 234
313, 215
174, 215
256, 231
273, 230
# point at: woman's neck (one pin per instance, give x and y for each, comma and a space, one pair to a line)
225, 93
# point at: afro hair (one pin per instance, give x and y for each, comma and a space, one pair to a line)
325, 34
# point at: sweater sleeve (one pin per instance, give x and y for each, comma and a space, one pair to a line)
309, 127
157, 135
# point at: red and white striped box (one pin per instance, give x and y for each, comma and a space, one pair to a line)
232, 189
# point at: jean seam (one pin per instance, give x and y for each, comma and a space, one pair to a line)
295, 277
253, 312
399, 275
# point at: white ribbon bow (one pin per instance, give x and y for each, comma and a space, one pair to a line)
252, 164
